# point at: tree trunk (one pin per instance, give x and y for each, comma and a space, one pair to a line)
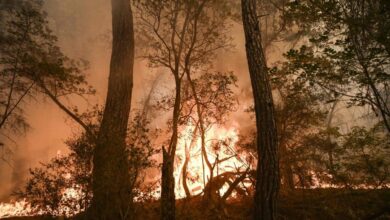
187, 159
285, 163
267, 184
167, 187
184, 172
167, 178
202, 129
288, 176
286, 171
111, 180
329, 138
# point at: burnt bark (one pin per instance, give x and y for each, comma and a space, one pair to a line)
111, 180
267, 184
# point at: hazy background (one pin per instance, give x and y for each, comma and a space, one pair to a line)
83, 28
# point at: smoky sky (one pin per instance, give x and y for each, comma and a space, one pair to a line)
83, 30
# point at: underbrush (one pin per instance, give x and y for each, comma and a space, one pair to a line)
317, 204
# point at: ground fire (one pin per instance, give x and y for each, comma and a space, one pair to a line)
184, 109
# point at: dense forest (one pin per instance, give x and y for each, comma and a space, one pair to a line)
194, 109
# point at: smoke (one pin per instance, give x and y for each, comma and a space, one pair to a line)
80, 27
83, 29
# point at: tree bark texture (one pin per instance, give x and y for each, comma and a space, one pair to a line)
267, 184
111, 180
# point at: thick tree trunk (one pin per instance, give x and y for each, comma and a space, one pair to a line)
111, 181
267, 184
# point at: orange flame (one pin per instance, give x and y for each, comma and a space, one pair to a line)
13, 209
198, 173
23, 207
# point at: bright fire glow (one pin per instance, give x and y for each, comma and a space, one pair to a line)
220, 143
23, 208
12, 209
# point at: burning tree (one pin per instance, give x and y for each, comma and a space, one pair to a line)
182, 36
207, 104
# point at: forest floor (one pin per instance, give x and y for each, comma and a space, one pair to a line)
316, 204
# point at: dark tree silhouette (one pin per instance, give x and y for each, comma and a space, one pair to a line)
32, 66
267, 184
111, 182
349, 54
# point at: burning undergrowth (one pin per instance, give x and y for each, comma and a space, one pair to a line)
63, 186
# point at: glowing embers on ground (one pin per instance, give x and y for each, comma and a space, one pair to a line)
220, 147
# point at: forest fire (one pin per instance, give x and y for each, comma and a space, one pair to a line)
24, 208
221, 151
13, 209
207, 109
